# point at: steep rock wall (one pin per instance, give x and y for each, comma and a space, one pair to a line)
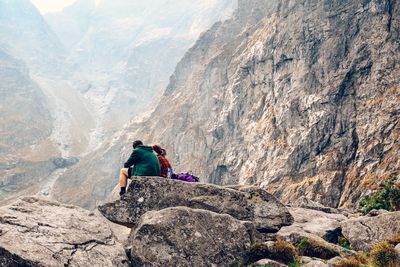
300, 97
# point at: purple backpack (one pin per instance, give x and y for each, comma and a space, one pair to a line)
186, 177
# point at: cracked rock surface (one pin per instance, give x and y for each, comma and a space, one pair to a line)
38, 232
246, 204
364, 232
318, 223
182, 236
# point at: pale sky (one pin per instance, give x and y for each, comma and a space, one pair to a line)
46, 6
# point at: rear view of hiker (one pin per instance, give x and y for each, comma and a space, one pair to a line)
142, 162
164, 163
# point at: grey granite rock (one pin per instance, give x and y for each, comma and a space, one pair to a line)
303, 202
397, 248
318, 223
149, 193
269, 263
374, 213
364, 232
38, 232
334, 261
182, 236
316, 263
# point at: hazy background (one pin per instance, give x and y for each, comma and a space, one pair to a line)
47, 6
73, 73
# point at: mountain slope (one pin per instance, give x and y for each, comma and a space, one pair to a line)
29, 147
300, 97
121, 53
25, 35
25, 119
304, 103
72, 23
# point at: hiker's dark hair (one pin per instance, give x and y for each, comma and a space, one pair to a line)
159, 150
137, 143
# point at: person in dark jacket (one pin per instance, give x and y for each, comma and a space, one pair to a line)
142, 162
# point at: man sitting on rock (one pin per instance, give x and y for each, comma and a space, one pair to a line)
142, 162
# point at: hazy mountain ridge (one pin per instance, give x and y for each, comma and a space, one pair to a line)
25, 119
72, 23
31, 149
299, 97
128, 49
113, 59
25, 35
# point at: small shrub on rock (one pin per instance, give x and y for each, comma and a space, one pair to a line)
344, 243
296, 263
349, 262
387, 197
362, 257
257, 252
383, 254
284, 252
281, 251
395, 240
312, 248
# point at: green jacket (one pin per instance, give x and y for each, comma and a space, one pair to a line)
144, 161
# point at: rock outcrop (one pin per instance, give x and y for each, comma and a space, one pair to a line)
318, 223
193, 224
38, 232
197, 232
364, 232
182, 236
149, 193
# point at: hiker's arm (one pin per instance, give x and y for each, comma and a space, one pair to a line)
131, 160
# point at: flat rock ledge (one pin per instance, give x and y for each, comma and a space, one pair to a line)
246, 204
39, 232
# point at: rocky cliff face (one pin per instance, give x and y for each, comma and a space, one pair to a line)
300, 97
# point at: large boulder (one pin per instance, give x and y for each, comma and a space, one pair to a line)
318, 223
149, 193
183, 236
39, 232
364, 232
